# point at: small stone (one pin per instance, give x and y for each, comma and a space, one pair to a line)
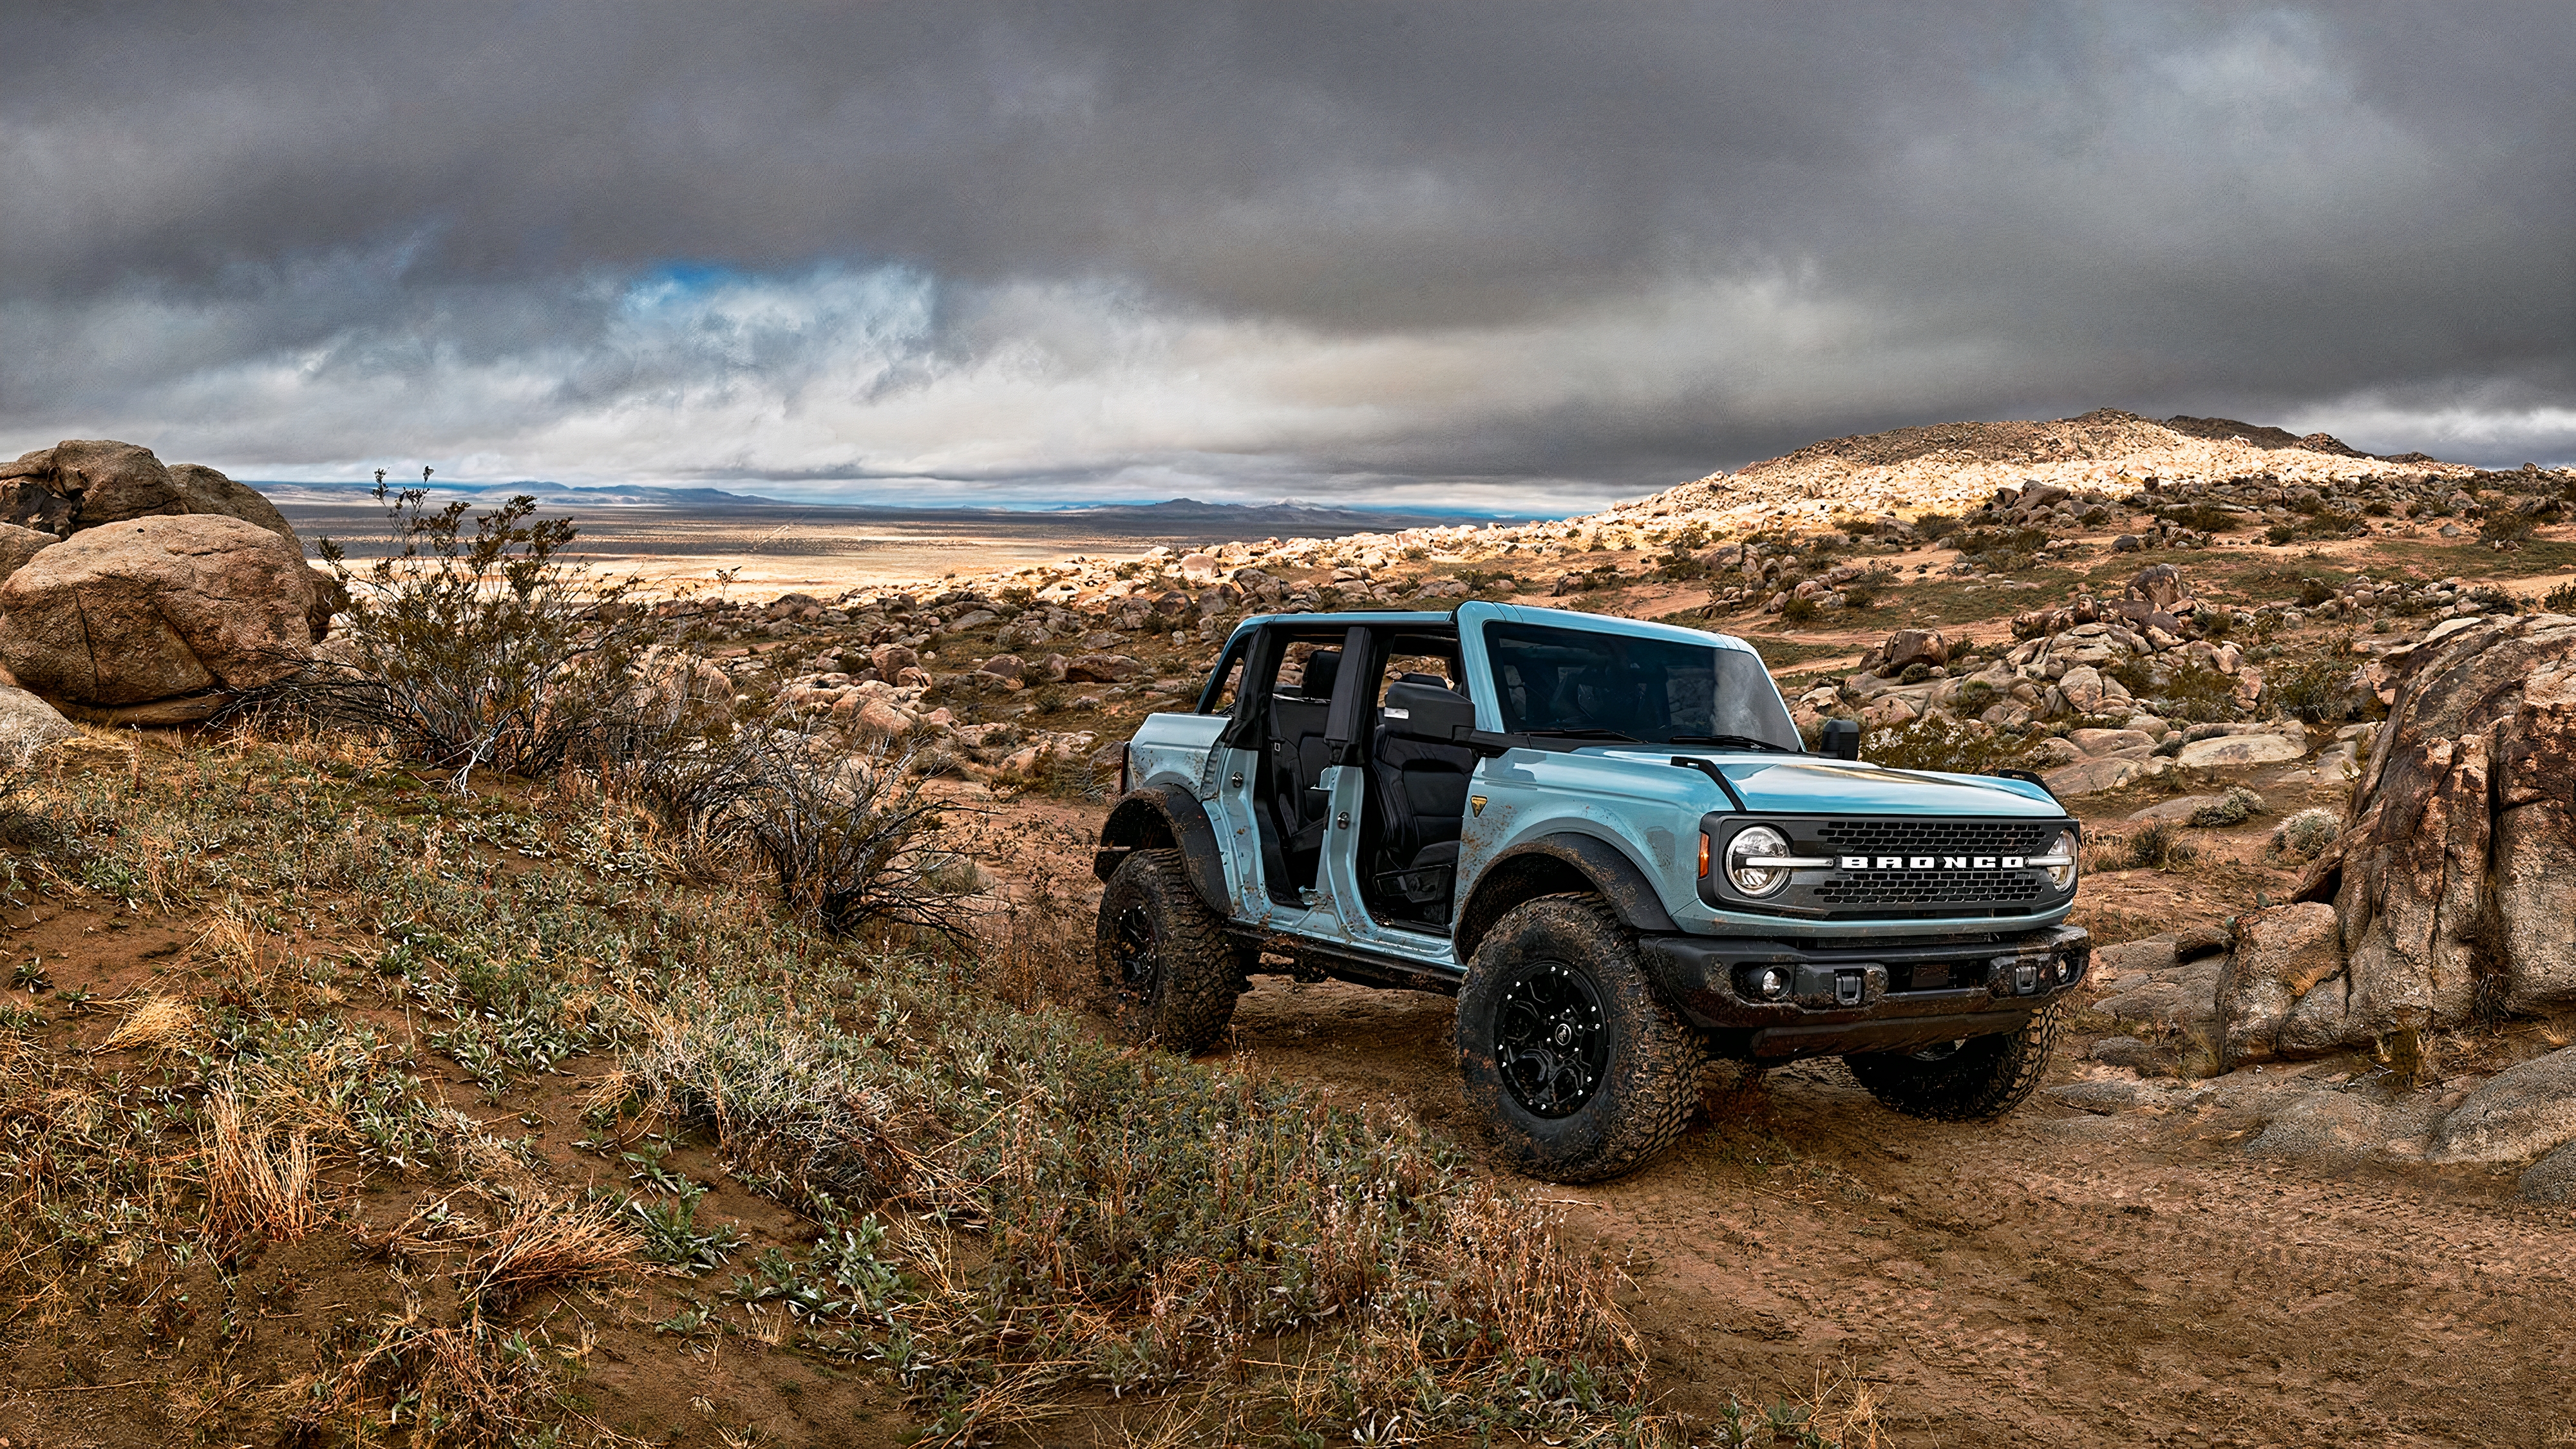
2124, 1051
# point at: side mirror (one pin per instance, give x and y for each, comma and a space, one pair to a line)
1841, 739
1426, 712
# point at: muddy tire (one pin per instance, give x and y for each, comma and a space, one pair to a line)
1575, 1069
1168, 975
1975, 1080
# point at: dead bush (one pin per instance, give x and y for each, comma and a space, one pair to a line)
851, 839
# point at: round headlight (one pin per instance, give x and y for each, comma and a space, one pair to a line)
2066, 849
1757, 842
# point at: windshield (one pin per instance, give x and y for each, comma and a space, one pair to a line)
1657, 691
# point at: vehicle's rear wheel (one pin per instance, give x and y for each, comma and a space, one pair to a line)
1576, 1069
1975, 1080
1167, 972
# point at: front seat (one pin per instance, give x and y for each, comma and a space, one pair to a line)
1421, 797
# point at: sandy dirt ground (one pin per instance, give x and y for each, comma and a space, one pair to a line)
2056, 1278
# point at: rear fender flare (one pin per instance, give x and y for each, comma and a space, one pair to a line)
1555, 864
1167, 817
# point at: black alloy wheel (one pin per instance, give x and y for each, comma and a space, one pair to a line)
1136, 952
1551, 1041
1574, 1067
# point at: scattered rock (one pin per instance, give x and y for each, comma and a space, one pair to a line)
2282, 952
17, 545
29, 726
2238, 750
2515, 1115
1100, 668
2552, 1179
2101, 1097
2184, 999
2124, 1051
2095, 776
2135, 958
2326, 1125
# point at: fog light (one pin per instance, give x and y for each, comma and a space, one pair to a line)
2065, 970
1771, 983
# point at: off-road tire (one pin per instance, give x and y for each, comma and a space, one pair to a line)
1976, 1080
1646, 1087
1181, 994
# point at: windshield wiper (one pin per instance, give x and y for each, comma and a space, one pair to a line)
1611, 735
1740, 741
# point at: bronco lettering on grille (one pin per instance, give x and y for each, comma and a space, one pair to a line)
1931, 862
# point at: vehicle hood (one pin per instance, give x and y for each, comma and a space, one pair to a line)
1816, 785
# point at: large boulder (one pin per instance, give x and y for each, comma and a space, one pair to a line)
155, 608
207, 491
83, 483
2514, 1116
2454, 886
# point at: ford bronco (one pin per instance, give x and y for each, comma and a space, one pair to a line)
1609, 841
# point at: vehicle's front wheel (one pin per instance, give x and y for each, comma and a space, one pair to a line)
1167, 972
1576, 1069
1974, 1080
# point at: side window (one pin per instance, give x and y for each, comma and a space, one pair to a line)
1296, 666
1227, 682
1420, 666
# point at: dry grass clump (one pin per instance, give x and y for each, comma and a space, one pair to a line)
468, 1383
259, 1180
544, 1243
157, 1023
2154, 845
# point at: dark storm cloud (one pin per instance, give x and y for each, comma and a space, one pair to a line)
1544, 248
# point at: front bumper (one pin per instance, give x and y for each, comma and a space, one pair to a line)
1885, 996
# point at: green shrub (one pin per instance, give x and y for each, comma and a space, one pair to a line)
2320, 687
2305, 835
492, 652
2158, 845
2560, 600
1935, 526
1934, 742
2202, 517
2234, 808
1800, 611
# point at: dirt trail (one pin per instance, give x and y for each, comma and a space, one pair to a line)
2057, 1278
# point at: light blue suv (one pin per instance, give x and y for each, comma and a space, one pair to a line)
1607, 840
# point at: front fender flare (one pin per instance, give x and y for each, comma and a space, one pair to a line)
1552, 864
1166, 817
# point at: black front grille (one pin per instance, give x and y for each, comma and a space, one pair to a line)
1947, 888
1935, 837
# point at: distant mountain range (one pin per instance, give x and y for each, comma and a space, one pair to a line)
1177, 515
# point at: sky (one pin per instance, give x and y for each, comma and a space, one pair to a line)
1484, 255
